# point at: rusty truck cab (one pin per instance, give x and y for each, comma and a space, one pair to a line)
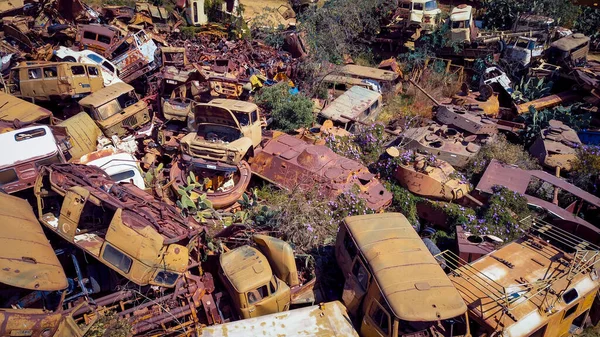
569, 49
49, 81
24, 152
33, 283
394, 286
98, 38
116, 109
543, 284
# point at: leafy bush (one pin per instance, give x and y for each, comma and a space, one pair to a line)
404, 202
586, 169
502, 14
504, 151
537, 120
531, 88
110, 325
366, 144
289, 112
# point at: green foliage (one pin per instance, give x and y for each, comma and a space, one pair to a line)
150, 177
502, 14
503, 151
265, 28
199, 209
366, 144
404, 202
571, 115
213, 9
586, 169
189, 32
341, 27
289, 112
588, 22
531, 89
110, 325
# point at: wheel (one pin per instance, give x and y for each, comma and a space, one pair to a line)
69, 59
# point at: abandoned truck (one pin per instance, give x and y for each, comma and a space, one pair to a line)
141, 247
116, 109
58, 81
267, 280
394, 286
324, 320
358, 103
23, 153
33, 284
134, 56
226, 132
543, 284
292, 163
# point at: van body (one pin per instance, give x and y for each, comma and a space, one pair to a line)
337, 85
120, 166
83, 135
195, 14
110, 74
323, 320
394, 286
524, 50
462, 25
13, 109
48, 81
98, 38
357, 103
23, 152
116, 109
389, 81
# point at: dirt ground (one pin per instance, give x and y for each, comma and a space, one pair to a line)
253, 9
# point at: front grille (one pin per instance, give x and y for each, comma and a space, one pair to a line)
130, 121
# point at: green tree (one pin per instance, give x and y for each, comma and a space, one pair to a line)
289, 112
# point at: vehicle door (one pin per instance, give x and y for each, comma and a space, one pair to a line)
70, 212
256, 128
95, 77
32, 83
50, 82
81, 82
356, 286
14, 83
260, 303
377, 321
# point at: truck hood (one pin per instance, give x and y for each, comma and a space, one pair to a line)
208, 113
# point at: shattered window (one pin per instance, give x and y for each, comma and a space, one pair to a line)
108, 109
165, 277
78, 70
50, 72
362, 276
34, 73
103, 39
242, 117
93, 71
417, 7
257, 295
350, 246
108, 66
380, 317
89, 35
48, 161
117, 259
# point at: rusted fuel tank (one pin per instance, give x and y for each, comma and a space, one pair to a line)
436, 179
556, 146
292, 163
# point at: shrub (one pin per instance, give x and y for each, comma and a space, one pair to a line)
404, 202
366, 144
586, 169
289, 111
504, 151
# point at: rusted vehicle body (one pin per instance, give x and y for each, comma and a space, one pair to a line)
83, 135
394, 286
358, 103
292, 163
134, 55
543, 284
49, 81
176, 57
556, 147
22, 155
484, 101
338, 84
210, 86
548, 101
389, 82
462, 25
436, 180
118, 12
326, 320
418, 14
33, 283
116, 109
21, 113
227, 132
460, 118
471, 246
265, 280
570, 50
581, 206
98, 38
444, 143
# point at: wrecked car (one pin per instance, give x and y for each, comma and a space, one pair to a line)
556, 147
419, 14
226, 133
569, 50
54, 81
524, 50
390, 273
135, 55
268, 279
358, 103
462, 25
116, 109
109, 71
292, 163
496, 77
19, 113
390, 82
97, 38
120, 166
24, 152
337, 85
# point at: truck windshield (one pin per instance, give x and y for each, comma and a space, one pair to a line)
460, 24
431, 5
116, 105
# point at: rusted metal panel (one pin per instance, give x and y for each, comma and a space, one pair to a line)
471, 247
463, 119
548, 101
18, 111
556, 146
290, 162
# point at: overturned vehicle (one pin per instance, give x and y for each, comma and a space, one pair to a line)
225, 135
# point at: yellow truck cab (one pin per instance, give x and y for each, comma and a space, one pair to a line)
49, 81
33, 283
116, 109
265, 280
394, 286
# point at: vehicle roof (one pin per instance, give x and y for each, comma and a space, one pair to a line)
351, 103
234, 105
97, 28
115, 163
368, 72
33, 64
26, 258
484, 283
15, 151
461, 14
172, 49
409, 277
324, 320
105, 94
246, 268
12, 108
569, 42
343, 79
